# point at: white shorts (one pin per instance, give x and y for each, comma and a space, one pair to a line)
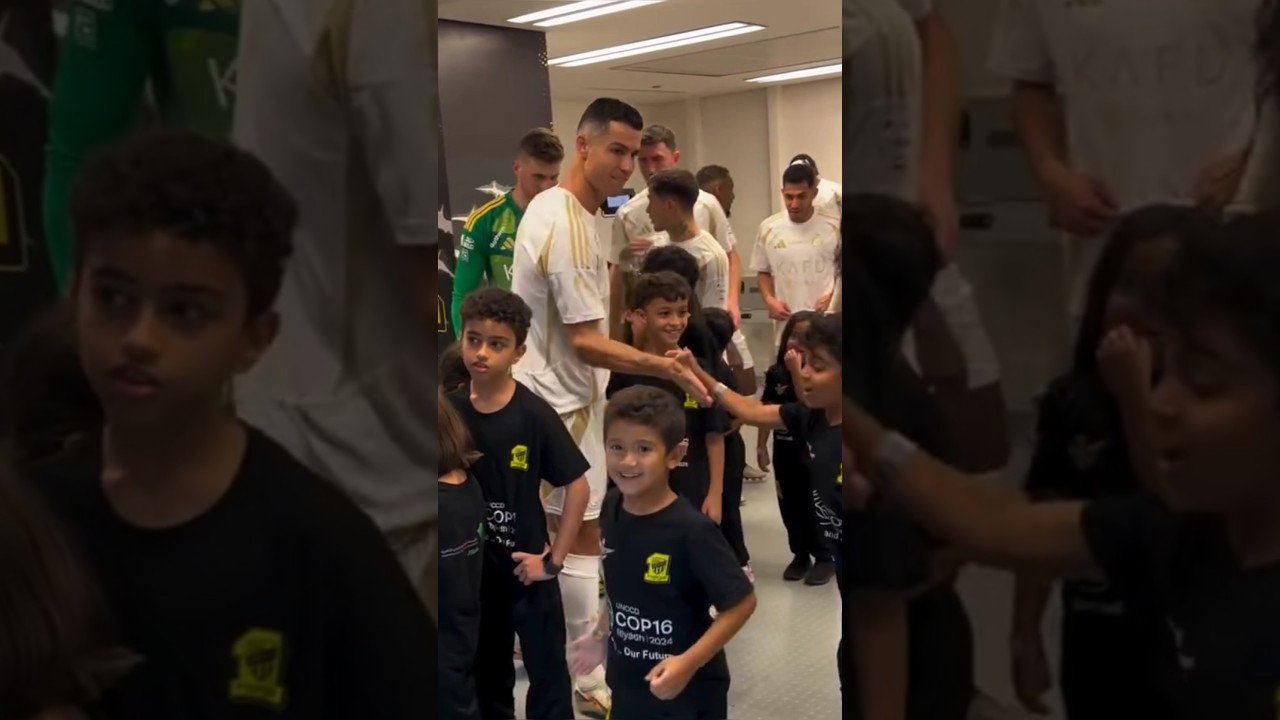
954, 297
587, 428
740, 342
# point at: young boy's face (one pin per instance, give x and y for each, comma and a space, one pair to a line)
161, 326
489, 349
821, 378
663, 321
1218, 421
638, 461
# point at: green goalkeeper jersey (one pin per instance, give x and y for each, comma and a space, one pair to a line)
485, 251
112, 50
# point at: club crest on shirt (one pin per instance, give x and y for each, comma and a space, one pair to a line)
659, 569
1084, 453
520, 457
840, 476
689, 402
259, 674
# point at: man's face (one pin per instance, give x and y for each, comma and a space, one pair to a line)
799, 201
723, 191
609, 157
657, 157
161, 327
534, 176
1217, 418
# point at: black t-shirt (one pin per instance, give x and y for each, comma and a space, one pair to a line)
520, 445
282, 600
778, 390
693, 478
663, 574
1081, 454
462, 543
824, 458
1222, 639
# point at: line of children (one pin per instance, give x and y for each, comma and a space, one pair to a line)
720, 323
522, 443
244, 582
666, 567
1201, 549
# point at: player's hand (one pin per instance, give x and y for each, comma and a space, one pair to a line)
670, 677
794, 361
778, 310
1126, 361
938, 203
823, 302
762, 457
1031, 677
586, 654
639, 246
713, 507
1218, 182
530, 568
1079, 203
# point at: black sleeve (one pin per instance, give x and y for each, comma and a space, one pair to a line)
715, 566
1050, 474
384, 664
562, 459
889, 553
772, 380
697, 339
795, 418
1133, 540
617, 383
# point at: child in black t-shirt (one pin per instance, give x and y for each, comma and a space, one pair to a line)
666, 567
522, 442
1200, 548
247, 583
462, 545
1092, 443
813, 555
656, 320
720, 323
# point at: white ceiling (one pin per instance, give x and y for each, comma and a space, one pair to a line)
798, 34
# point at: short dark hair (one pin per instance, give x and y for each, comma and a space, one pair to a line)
603, 111
195, 189
453, 369
651, 408
799, 175
678, 185
456, 449
894, 245
543, 145
711, 174
720, 323
825, 332
659, 286
659, 135
807, 159
500, 306
45, 398
674, 259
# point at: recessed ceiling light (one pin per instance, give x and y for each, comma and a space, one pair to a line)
596, 12
658, 44
812, 72
558, 11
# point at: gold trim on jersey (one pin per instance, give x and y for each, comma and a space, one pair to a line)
473, 217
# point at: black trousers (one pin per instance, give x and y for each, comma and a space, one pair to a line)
536, 614
458, 695
842, 654
1107, 670
735, 463
795, 501
699, 701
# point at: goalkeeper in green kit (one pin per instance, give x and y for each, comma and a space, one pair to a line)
489, 236
113, 50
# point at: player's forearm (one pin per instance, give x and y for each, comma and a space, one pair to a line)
577, 496
735, 278
764, 281
723, 629
599, 351
715, 461
1037, 115
617, 299
881, 654
941, 99
1030, 600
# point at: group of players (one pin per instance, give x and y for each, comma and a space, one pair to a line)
636, 437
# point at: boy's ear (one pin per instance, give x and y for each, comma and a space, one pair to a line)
259, 333
676, 456
520, 351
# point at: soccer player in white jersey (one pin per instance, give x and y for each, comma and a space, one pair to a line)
794, 257
673, 196
561, 270
339, 106
634, 233
830, 193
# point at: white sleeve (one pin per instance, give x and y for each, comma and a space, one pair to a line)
715, 280
623, 231
573, 272
760, 255
1019, 46
715, 222
393, 111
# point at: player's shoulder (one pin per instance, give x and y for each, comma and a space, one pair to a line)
484, 214
829, 215
708, 201
775, 221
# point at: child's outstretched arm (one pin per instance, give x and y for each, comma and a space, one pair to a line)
765, 417
714, 506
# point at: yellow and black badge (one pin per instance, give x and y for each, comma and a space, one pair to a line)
259, 678
659, 572
840, 476
689, 402
520, 458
